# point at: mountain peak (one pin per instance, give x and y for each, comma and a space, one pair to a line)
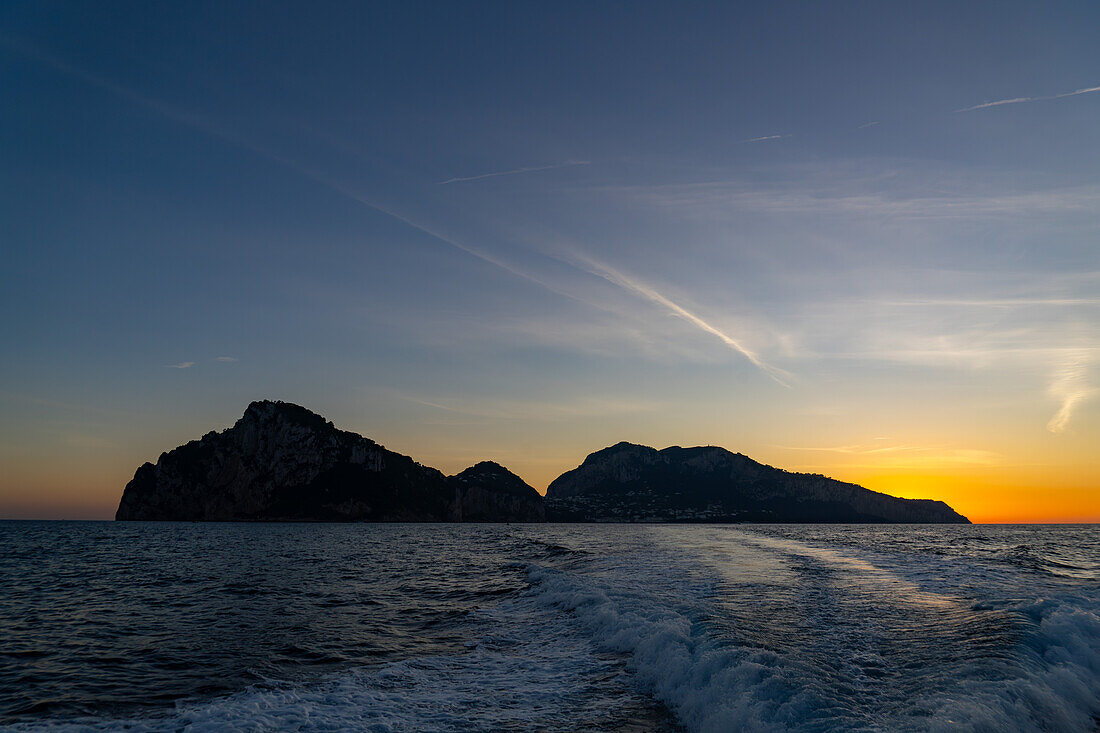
496, 476
260, 411
281, 461
628, 482
487, 491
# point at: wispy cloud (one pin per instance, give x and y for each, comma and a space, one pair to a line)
1018, 338
226, 358
182, 365
205, 126
765, 137
477, 252
1020, 100
1071, 387
994, 302
906, 456
208, 127
856, 449
528, 410
867, 124
514, 171
643, 290
959, 200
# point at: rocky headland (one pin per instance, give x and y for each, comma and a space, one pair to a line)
282, 462
636, 483
487, 491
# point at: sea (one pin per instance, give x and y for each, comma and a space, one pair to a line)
110, 626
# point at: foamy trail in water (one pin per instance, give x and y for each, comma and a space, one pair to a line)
520, 675
730, 629
811, 638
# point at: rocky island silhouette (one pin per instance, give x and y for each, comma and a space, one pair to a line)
282, 462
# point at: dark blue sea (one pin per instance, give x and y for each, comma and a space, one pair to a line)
329, 627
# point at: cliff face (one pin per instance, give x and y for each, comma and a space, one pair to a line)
489, 492
628, 482
283, 462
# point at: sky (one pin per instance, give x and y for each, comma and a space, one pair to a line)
852, 238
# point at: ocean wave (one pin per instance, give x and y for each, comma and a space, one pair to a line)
709, 688
1053, 561
520, 673
1027, 666
482, 691
724, 628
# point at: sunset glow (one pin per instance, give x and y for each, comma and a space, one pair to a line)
857, 241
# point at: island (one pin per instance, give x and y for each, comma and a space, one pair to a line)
283, 462
636, 483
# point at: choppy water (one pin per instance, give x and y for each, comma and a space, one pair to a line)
135, 626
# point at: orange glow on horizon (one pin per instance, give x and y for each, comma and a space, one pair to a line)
89, 486
986, 500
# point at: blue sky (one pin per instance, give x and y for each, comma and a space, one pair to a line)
859, 238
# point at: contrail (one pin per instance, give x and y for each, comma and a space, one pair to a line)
1087, 90
198, 123
766, 137
1019, 100
566, 164
998, 103
641, 289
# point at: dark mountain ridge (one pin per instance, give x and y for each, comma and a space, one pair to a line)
628, 482
486, 490
282, 462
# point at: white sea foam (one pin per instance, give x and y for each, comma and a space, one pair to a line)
479, 691
1047, 677
1057, 682
709, 687
731, 631
520, 674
